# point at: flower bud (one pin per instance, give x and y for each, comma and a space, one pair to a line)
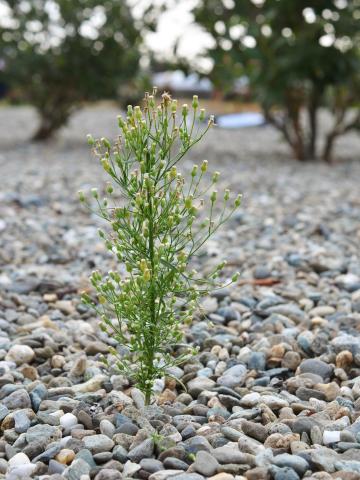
195, 102
90, 140
137, 112
174, 106
102, 299
81, 196
121, 122
106, 143
94, 192
109, 188
130, 111
237, 202
188, 202
151, 101
211, 121
227, 195
235, 277
204, 166
213, 196
194, 171
147, 275
143, 265
202, 115
106, 165
173, 172
215, 177
185, 110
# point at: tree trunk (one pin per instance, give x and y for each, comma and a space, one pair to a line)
313, 126
45, 132
51, 119
328, 148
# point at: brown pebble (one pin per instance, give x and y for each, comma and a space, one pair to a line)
65, 456
344, 359
29, 372
258, 473
167, 396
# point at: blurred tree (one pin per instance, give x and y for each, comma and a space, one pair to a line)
60, 53
299, 55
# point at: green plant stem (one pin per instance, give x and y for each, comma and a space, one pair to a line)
152, 298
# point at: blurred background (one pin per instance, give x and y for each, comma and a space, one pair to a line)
294, 66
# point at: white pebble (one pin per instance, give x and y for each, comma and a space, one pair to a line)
68, 420
23, 471
18, 460
20, 354
250, 399
331, 437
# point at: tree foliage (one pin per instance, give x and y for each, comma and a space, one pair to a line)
156, 229
299, 56
60, 53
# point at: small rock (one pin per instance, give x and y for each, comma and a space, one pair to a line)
313, 365
98, 443
143, 450
65, 456
20, 354
254, 430
108, 474
151, 465
68, 420
17, 399
234, 376
107, 428
295, 462
198, 384
22, 421
78, 468
205, 464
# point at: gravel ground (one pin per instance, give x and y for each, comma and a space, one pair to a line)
274, 392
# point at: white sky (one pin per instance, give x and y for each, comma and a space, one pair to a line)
176, 24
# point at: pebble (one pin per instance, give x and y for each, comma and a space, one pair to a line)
143, 450
234, 376
205, 464
295, 462
20, 354
17, 399
231, 454
98, 443
76, 470
68, 420
65, 456
22, 421
151, 465
313, 365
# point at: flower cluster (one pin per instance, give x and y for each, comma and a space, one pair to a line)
155, 234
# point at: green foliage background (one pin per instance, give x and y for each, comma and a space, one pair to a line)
55, 63
297, 54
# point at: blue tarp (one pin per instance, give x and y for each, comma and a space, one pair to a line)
240, 120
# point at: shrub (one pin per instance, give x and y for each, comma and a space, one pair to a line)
299, 55
59, 54
155, 234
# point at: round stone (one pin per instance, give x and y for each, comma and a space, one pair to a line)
20, 354
68, 420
